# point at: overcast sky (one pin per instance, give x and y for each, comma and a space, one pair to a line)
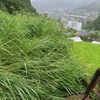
47, 4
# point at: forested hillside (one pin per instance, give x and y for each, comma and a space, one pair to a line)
93, 25
94, 6
16, 6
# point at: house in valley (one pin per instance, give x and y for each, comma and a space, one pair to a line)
74, 25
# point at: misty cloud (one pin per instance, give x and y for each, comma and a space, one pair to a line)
47, 4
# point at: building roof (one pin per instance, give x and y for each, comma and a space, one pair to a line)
82, 33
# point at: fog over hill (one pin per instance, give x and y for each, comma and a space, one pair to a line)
48, 4
86, 2
93, 6
41, 5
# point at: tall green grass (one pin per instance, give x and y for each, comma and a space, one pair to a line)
89, 54
35, 62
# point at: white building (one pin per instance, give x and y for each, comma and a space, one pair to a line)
74, 25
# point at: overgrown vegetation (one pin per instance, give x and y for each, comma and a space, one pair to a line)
93, 25
16, 6
35, 62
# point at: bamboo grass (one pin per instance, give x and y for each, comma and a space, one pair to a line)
35, 60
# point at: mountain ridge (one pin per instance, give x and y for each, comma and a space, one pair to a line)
48, 4
93, 6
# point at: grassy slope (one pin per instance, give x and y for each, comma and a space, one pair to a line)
89, 54
35, 63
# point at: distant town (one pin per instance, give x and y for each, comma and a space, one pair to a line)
75, 19
66, 15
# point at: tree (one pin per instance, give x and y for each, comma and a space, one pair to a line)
96, 24
13, 6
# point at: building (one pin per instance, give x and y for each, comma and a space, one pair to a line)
82, 33
74, 25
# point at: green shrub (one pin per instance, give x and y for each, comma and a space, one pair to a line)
16, 6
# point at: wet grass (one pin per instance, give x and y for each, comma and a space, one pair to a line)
89, 54
35, 61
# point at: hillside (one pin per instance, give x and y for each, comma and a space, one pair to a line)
16, 6
94, 6
84, 3
35, 62
96, 24
93, 25
35, 59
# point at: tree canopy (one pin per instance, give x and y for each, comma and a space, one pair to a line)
96, 23
93, 25
15, 6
